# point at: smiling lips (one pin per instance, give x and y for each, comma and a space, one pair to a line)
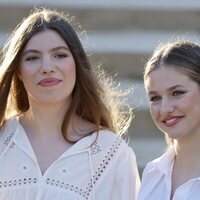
49, 82
171, 121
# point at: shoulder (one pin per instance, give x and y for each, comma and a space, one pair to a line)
108, 142
155, 176
115, 154
161, 164
107, 138
112, 150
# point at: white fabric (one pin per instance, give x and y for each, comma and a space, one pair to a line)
156, 181
106, 170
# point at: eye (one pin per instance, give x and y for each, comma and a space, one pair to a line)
32, 58
60, 56
178, 93
154, 98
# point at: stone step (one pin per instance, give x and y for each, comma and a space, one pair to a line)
126, 52
114, 4
146, 149
138, 19
113, 14
142, 124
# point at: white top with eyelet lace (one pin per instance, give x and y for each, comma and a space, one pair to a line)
106, 170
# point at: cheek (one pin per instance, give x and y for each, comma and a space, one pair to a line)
71, 72
28, 72
154, 111
187, 104
25, 78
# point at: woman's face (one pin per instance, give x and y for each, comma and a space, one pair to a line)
174, 102
47, 69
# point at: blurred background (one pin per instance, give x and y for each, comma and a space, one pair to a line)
122, 34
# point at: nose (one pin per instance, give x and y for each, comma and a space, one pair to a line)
166, 106
47, 65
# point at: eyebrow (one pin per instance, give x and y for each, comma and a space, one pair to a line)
53, 49
169, 89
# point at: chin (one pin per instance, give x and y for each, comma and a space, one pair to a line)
175, 136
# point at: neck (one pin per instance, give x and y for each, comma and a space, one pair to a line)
188, 149
44, 119
186, 163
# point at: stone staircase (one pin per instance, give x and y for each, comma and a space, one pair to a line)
122, 35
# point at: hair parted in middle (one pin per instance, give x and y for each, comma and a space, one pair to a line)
94, 96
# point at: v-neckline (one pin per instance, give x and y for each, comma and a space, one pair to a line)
21, 139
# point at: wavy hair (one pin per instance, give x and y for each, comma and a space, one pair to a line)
94, 98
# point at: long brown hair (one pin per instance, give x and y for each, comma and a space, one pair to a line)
94, 98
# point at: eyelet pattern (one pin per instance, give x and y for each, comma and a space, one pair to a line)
64, 185
17, 182
85, 192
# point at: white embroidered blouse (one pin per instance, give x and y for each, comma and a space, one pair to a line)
106, 170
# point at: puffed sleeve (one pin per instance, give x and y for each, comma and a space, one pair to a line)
127, 182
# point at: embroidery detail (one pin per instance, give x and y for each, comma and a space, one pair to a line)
95, 148
12, 145
103, 165
85, 192
18, 182
7, 141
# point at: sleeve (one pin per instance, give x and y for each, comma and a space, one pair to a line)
127, 182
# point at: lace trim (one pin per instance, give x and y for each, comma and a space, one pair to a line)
85, 192
17, 182
105, 162
67, 186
